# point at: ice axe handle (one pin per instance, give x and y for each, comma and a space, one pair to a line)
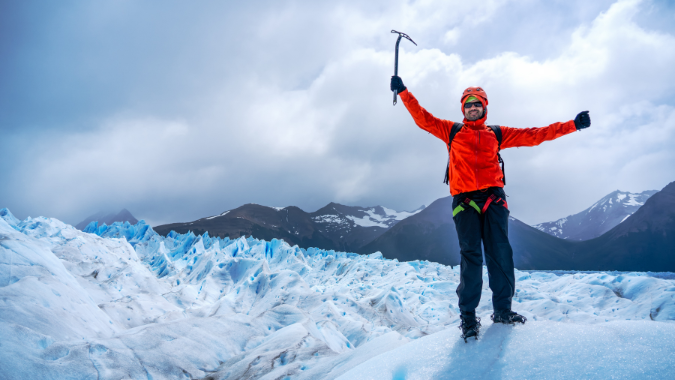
398, 41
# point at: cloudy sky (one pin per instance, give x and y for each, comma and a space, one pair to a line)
178, 110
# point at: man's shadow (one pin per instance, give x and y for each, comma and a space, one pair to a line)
479, 359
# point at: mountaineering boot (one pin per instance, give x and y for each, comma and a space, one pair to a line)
470, 325
508, 317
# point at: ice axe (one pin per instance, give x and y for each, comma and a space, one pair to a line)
398, 41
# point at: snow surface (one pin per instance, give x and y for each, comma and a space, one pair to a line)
633, 201
124, 302
330, 218
373, 219
370, 220
401, 215
216, 216
542, 350
370, 217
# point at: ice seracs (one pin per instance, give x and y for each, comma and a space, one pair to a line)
121, 301
7, 216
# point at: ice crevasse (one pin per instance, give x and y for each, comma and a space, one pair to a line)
121, 301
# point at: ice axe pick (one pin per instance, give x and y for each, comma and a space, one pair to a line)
398, 41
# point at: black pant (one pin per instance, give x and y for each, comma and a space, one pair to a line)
492, 228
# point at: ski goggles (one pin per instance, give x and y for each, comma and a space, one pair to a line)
474, 104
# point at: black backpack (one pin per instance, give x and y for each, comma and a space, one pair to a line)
456, 128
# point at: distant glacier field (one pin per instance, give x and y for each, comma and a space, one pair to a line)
122, 302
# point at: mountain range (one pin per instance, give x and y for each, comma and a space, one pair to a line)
430, 235
644, 241
601, 217
335, 226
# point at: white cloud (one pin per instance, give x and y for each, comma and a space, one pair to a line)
303, 116
451, 36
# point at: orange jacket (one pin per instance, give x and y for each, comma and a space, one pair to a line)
473, 157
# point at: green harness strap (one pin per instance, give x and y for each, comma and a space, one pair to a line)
474, 205
459, 208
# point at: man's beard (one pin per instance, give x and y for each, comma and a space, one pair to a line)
474, 118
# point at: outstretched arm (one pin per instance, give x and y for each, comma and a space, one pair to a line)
424, 119
515, 137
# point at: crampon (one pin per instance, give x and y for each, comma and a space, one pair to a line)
470, 327
507, 317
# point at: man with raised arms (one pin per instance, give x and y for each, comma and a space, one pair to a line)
479, 205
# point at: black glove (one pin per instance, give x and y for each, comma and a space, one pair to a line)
397, 84
583, 120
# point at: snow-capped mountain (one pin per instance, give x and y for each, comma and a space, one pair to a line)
335, 226
356, 225
122, 301
601, 217
335, 215
645, 239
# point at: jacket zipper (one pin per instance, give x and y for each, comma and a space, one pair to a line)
476, 154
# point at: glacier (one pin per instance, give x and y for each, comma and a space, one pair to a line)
122, 301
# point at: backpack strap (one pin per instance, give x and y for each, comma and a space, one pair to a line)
456, 127
498, 133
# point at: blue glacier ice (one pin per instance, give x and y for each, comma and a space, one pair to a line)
7, 216
122, 301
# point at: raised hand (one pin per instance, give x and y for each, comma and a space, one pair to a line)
397, 84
